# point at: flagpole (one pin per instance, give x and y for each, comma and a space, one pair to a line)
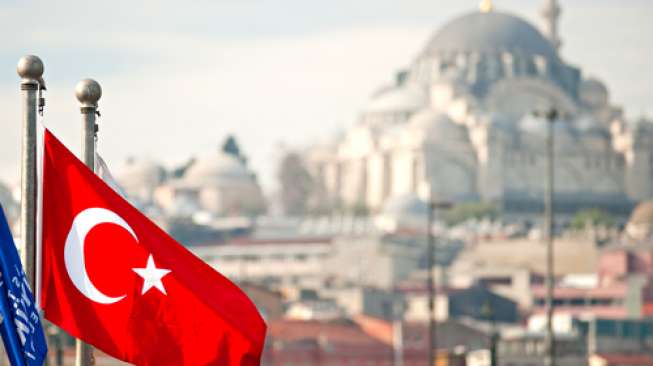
30, 70
88, 92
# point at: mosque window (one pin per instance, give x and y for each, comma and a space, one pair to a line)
620, 161
508, 63
540, 65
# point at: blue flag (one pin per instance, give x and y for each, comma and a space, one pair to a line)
21, 328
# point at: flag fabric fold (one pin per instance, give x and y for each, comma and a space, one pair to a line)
21, 328
112, 278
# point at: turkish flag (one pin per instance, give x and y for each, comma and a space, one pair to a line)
112, 278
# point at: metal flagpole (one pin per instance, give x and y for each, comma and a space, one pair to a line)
88, 92
30, 69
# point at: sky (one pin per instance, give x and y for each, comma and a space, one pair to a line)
177, 77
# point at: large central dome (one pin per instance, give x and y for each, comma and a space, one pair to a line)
490, 32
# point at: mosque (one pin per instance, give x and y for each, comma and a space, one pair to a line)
459, 124
215, 184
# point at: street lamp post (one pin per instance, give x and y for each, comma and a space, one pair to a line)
550, 115
487, 312
432, 341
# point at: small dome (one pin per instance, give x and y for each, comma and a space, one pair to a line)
407, 98
436, 126
642, 214
136, 172
593, 93
217, 167
403, 213
406, 204
640, 225
7, 201
642, 126
490, 33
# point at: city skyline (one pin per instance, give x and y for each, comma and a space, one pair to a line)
309, 75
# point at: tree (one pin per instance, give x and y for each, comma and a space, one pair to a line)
591, 217
230, 146
472, 210
180, 170
296, 184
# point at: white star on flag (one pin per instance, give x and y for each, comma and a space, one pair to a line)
152, 276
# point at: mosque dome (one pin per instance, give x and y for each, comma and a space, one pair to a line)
139, 178
407, 204
431, 125
7, 201
403, 212
642, 214
642, 127
405, 98
225, 186
640, 225
490, 33
218, 167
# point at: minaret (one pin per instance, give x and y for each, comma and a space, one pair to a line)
551, 13
486, 6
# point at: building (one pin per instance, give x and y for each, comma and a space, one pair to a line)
218, 183
214, 185
528, 348
622, 285
342, 342
298, 261
595, 341
458, 123
459, 304
611, 359
514, 283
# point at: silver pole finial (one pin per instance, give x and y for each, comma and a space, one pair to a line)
88, 92
30, 69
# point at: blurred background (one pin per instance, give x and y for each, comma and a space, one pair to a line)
348, 163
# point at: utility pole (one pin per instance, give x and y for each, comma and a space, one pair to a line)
430, 281
487, 312
431, 338
88, 92
397, 334
551, 116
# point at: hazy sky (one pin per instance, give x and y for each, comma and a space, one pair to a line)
178, 76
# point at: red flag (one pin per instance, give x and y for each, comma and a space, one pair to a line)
112, 278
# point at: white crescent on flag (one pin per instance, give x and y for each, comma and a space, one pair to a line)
74, 260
